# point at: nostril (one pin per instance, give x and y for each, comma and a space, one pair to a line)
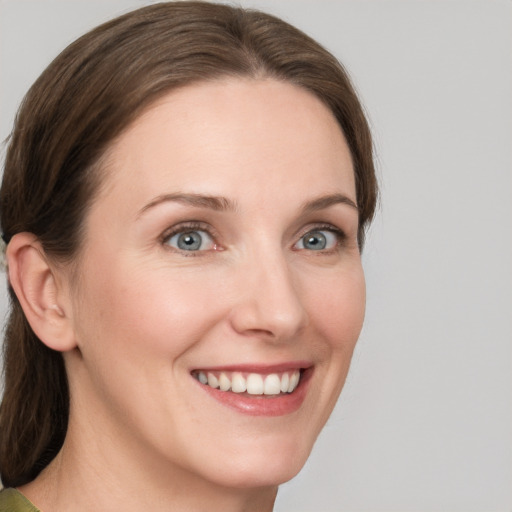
260, 332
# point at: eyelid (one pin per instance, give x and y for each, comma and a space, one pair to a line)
338, 232
185, 226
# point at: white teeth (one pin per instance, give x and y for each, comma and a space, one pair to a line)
224, 382
253, 384
285, 382
294, 381
238, 383
272, 385
213, 382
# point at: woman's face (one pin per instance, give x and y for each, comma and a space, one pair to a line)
221, 250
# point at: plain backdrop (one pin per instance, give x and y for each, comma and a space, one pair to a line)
425, 420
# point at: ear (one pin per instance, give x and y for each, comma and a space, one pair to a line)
40, 292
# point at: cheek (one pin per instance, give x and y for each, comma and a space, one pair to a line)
337, 315
134, 326
338, 307
149, 311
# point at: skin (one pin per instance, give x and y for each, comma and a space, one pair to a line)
142, 313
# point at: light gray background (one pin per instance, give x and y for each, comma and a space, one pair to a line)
425, 420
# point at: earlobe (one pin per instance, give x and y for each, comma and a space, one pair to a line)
36, 285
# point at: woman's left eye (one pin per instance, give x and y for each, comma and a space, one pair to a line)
318, 240
191, 240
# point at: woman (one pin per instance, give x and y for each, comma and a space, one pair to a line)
184, 201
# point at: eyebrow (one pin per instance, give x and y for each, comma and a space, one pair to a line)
323, 202
219, 203
198, 200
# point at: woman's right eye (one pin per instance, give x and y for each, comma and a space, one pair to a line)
191, 240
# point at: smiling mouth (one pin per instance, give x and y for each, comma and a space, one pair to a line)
251, 384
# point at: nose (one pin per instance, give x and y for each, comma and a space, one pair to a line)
269, 300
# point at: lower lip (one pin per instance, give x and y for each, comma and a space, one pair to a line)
263, 405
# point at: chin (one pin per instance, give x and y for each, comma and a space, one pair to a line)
271, 475
265, 466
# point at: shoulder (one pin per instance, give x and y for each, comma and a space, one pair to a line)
12, 500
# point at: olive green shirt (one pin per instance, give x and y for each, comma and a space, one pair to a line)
12, 500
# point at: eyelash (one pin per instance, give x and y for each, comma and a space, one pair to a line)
184, 228
337, 232
201, 226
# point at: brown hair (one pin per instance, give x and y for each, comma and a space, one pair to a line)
92, 91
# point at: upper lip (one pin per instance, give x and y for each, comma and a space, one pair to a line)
258, 368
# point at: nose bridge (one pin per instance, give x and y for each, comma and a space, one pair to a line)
271, 302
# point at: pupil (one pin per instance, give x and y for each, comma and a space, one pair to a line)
316, 242
189, 241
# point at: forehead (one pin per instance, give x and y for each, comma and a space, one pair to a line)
219, 137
